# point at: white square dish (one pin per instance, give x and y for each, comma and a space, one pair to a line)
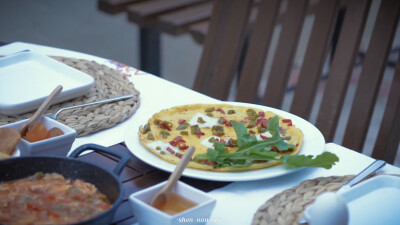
375, 201
148, 215
27, 78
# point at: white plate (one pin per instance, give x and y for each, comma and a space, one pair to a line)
313, 144
27, 78
375, 201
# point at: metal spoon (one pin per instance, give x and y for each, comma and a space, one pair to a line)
121, 97
162, 194
377, 164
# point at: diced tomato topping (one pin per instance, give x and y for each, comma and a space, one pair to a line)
179, 155
176, 140
261, 114
264, 137
182, 146
262, 122
170, 150
164, 124
211, 163
220, 110
179, 142
288, 121
220, 140
181, 121
199, 134
224, 121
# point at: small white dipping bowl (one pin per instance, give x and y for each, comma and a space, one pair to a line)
55, 146
148, 215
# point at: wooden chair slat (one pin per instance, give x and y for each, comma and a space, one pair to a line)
257, 51
371, 75
228, 55
114, 6
314, 59
224, 44
387, 142
145, 13
342, 67
179, 21
222, 47
203, 76
284, 56
199, 31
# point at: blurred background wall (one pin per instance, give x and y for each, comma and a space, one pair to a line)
78, 25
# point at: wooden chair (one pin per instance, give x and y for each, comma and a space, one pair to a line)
224, 45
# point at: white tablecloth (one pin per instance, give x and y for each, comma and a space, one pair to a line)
236, 202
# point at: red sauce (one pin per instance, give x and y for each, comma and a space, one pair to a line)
49, 199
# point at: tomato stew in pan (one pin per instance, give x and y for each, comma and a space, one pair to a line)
56, 190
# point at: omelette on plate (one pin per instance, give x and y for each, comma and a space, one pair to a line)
226, 137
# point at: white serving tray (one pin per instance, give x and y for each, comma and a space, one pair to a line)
375, 201
27, 78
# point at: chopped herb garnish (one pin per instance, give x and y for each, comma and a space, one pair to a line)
261, 129
211, 140
231, 111
146, 128
212, 109
200, 120
164, 133
251, 112
182, 126
218, 130
194, 129
150, 136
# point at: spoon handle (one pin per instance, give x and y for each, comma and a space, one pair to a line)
363, 174
174, 177
162, 194
117, 98
43, 107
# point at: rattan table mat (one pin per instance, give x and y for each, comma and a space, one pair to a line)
108, 83
288, 206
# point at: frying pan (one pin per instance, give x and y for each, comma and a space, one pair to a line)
71, 168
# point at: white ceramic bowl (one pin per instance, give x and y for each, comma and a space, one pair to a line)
55, 146
148, 215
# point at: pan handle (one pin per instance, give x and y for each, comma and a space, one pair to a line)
98, 148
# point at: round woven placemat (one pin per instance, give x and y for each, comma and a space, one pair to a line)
288, 206
85, 120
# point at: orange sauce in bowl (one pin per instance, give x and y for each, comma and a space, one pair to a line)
175, 204
38, 132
